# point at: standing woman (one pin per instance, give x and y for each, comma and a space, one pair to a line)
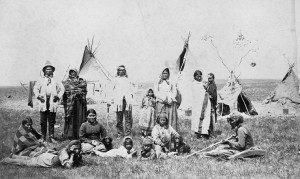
75, 104
201, 107
165, 98
122, 98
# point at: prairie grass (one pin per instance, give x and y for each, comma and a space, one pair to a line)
279, 136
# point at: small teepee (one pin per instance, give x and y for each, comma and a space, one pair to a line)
232, 98
288, 88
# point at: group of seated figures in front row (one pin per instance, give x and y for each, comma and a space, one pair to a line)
164, 142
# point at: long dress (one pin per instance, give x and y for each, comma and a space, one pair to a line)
75, 106
147, 116
201, 109
166, 101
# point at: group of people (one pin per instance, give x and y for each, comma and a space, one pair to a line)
158, 121
165, 97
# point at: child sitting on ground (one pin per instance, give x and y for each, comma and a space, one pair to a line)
148, 152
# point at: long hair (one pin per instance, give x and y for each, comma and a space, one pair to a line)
150, 89
118, 71
161, 80
91, 111
197, 72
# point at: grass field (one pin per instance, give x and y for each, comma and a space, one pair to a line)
279, 135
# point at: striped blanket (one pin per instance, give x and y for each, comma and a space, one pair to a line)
26, 143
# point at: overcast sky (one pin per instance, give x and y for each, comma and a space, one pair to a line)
144, 35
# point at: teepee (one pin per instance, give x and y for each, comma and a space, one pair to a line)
288, 88
232, 98
97, 77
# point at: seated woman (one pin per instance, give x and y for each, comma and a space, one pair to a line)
92, 133
162, 134
242, 141
124, 151
147, 152
27, 141
147, 118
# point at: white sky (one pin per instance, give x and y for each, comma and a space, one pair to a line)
142, 35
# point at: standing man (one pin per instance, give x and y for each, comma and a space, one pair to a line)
49, 92
122, 98
211, 89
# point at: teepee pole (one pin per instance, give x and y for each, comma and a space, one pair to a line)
219, 56
187, 50
102, 69
244, 102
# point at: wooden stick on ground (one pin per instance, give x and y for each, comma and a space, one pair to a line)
203, 149
207, 147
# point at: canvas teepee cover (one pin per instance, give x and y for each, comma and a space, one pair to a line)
97, 77
287, 88
232, 97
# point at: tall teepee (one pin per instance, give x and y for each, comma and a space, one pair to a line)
97, 77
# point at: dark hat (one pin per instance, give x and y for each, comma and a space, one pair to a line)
48, 64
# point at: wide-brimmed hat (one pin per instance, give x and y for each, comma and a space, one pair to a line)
48, 64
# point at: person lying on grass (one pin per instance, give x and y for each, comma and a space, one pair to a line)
147, 152
68, 157
92, 133
241, 141
124, 151
162, 134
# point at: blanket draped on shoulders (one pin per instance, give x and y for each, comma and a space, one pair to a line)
26, 143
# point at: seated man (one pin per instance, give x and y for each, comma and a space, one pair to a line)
178, 146
147, 152
124, 151
68, 157
240, 142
